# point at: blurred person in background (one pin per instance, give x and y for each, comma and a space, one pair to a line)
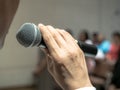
112, 55
84, 36
102, 74
100, 55
103, 44
95, 38
115, 81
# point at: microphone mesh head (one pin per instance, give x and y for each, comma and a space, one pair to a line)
28, 35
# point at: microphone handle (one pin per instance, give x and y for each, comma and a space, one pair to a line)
89, 50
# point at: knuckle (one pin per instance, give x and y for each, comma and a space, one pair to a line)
72, 54
60, 57
64, 32
57, 56
54, 35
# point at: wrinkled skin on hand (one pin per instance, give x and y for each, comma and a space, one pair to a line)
66, 61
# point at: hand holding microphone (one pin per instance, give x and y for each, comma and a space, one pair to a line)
66, 61
29, 35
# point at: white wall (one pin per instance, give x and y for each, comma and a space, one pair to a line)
108, 8
77, 14
17, 62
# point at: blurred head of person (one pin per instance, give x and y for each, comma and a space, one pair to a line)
100, 38
95, 37
84, 35
103, 44
116, 37
114, 48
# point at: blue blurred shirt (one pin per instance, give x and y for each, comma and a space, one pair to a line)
104, 46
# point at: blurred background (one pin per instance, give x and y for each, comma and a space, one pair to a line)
97, 18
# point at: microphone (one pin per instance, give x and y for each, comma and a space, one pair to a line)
29, 36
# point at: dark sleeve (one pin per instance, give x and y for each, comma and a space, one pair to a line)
8, 9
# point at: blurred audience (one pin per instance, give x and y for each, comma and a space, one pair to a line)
99, 69
102, 73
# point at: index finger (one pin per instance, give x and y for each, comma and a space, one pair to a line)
48, 39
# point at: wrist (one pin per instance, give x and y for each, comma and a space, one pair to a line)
77, 78
75, 86
86, 88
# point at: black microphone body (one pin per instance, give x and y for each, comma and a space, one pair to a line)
29, 35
